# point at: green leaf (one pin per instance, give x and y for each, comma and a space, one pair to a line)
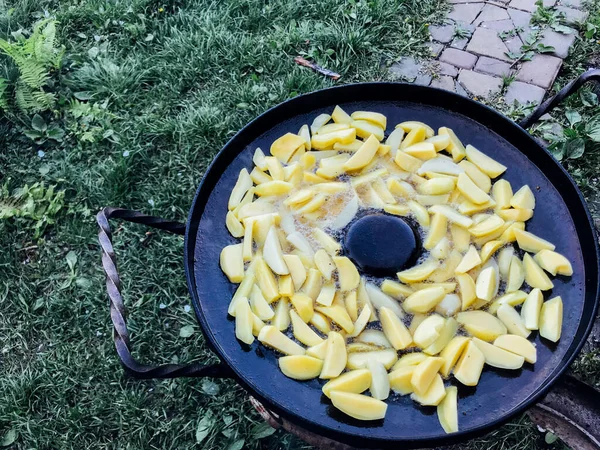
38, 123
186, 331
204, 426
71, 260
592, 129
561, 28
93, 52
573, 116
237, 445
38, 304
9, 438
83, 283
550, 438
558, 150
83, 95
262, 430
32, 134
227, 419
55, 133
574, 148
588, 98
210, 388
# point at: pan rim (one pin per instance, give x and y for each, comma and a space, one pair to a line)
376, 441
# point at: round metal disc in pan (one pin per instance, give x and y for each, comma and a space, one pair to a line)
560, 216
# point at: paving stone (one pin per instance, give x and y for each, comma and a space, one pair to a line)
514, 44
465, 12
478, 84
561, 42
435, 48
521, 19
460, 90
541, 70
491, 13
486, 42
492, 66
523, 93
443, 82
571, 3
458, 58
498, 25
442, 33
529, 5
459, 43
423, 79
573, 15
447, 69
407, 69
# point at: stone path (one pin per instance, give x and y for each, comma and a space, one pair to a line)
477, 49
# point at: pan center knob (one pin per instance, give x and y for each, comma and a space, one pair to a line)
382, 245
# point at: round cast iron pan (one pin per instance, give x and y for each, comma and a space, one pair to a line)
560, 216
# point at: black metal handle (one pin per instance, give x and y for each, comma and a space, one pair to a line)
548, 105
117, 308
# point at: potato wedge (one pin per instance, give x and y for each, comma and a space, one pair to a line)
551, 318
354, 381
470, 365
481, 324
335, 356
517, 345
447, 410
300, 367
358, 406
498, 357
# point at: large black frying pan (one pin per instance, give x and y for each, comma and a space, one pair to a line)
561, 216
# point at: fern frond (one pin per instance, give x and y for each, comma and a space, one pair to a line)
3, 95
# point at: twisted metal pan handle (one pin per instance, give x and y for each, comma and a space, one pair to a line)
117, 307
571, 88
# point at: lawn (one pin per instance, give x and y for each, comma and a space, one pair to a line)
146, 94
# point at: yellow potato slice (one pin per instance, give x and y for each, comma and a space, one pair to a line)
455, 147
297, 270
303, 305
243, 291
415, 135
498, 357
429, 200
242, 185
363, 156
319, 121
487, 226
467, 290
469, 261
470, 190
351, 304
424, 300
419, 272
354, 381
400, 188
434, 395
447, 410
275, 187
348, 275
376, 118
358, 406
326, 295
395, 289
259, 305
387, 356
437, 186
234, 226
517, 345
320, 322
243, 321
502, 194
335, 356
282, 315
410, 359
326, 141
331, 127
340, 116
365, 129
303, 332
523, 198
400, 379
421, 150
361, 321
380, 382
424, 373
489, 248
551, 318
516, 215
470, 365
467, 207
339, 315
452, 353
313, 283
512, 298
530, 312
232, 262
374, 337
534, 275
452, 215
485, 286
272, 337
447, 333
448, 287
516, 275
266, 280
553, 262
394, 329
529, 242
487, 165
482, 181
460, 237
428, 330
481, 324
407, 162
441, 250
410, 125
440, 142
318, 351
419, 212
446, 270
437, 230
284, 147
512, 320
300, 367
397, 210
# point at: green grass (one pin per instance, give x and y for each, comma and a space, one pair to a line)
173, 81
